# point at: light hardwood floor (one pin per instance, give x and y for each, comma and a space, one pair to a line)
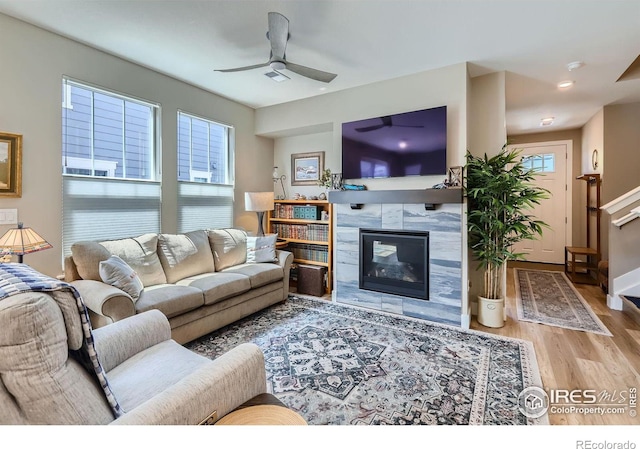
580, 360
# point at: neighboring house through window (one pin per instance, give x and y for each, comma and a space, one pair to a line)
111, 185
205, 173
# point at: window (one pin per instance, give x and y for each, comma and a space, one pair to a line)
109, 154
205, 167
540, 162
102, 129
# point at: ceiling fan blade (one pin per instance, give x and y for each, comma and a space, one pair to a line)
240, 69
308, 72
278, 34
369, 128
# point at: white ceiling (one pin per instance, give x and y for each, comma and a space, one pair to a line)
365, 41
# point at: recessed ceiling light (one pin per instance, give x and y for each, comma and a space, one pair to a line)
565, 84
402, 144
575, 65
546, 121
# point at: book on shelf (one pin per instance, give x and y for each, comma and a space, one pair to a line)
309, 251
315, 232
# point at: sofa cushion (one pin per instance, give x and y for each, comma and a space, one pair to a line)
259, 273
218, 286
141, 253
261, 248
115, 271
229, 247
145, 375
87, 257
169, 299
184, 255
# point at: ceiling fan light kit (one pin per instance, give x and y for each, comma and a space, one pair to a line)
278, 36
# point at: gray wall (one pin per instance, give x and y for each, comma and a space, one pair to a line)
621, 164
34, 62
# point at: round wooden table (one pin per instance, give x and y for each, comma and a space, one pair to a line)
262, 415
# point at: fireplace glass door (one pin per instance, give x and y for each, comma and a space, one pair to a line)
395, 261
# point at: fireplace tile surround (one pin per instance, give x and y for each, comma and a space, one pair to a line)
444, 225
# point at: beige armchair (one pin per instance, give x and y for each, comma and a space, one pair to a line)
154, 379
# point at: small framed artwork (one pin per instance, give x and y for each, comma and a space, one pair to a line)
455, 176
306, 168
10, 165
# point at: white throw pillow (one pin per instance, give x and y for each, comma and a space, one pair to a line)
115, 271
261, 249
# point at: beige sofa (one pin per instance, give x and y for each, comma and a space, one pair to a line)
201, 280
154, 379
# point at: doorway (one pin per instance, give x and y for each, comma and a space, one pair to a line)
552, 162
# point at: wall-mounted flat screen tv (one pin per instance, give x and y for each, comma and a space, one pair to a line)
406, 144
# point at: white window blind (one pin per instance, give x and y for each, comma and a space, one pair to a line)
104, 209
204, 206
205, 173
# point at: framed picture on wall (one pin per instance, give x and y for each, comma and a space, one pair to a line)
10, 165
306, 168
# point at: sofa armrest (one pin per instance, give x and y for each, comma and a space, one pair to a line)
285, 259
105, 300
122, 340
221, 386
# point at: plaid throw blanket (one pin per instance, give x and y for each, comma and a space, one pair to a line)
19, 278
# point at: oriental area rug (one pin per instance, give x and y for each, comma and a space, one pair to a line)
342, 365
548, 297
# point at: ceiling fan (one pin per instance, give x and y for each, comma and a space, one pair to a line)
386, 122
278, 35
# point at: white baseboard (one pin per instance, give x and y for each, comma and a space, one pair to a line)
465, 321
614, 302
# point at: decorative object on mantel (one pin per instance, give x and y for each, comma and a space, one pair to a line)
322, 196
500, 191
281, 178
354, 187
441, 185
11, 165
336, 181
455, 177
306, 168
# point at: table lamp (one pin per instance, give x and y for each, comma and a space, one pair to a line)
259, 202
21, 241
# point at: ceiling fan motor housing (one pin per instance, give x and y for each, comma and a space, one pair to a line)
277, 65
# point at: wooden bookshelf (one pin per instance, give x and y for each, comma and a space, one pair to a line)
309, 239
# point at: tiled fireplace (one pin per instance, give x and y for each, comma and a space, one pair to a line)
438, 218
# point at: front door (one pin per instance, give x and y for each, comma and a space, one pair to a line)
549, 159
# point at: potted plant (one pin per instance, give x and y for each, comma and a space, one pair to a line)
326, 179
500, 194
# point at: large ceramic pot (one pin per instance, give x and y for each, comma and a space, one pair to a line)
491, 312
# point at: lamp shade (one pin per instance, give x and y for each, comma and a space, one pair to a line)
258, 201
21, 240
